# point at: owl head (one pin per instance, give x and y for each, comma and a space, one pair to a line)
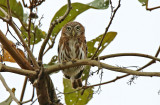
73, 29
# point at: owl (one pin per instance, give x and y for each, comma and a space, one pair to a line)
72, 46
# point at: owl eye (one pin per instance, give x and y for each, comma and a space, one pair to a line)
78, 28
68, 28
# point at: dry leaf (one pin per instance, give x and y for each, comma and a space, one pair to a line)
7, 57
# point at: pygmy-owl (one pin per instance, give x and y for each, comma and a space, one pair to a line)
72, 46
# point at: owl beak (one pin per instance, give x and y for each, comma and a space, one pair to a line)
73, 33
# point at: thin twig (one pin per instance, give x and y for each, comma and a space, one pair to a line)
29, 26
128, 54
110, 1
14, 37
23, 89
35, 100
9, 10
8, 89
29, 99
25, 5
53, 24
150, 9
50, 46
110, 22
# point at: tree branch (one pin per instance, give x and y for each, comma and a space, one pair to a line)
25, 45
11, 23
53, 24
8, 89
28, 73
9, 10
150, 9
120, 77
58, 67
128, 54
21, 61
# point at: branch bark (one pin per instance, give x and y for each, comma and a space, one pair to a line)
55, 68
21, 61
8, 89
128, 54
28, 73
58, 67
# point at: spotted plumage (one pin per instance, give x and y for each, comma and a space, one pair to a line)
72, 45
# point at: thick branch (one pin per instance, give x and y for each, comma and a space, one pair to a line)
21, 61
24, 45
57, 67
53, 24
28, 73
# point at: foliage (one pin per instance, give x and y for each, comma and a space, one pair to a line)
16, 8
37, 35
73, 97
91, 44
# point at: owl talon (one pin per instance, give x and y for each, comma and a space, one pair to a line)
64, 62
73, 60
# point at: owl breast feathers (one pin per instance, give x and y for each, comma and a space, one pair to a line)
72, 45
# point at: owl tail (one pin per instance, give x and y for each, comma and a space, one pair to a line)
77, 83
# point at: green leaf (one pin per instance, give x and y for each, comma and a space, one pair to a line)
91, 49
77, 9
73, 97
91, 44
101, 4
16, 8
8, 100
36, 34
86, 72
143, 2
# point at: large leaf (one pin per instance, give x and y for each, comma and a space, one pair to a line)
91, 49
77, 8
91, 44
9, 99
36, 34
16, 8
73, 97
